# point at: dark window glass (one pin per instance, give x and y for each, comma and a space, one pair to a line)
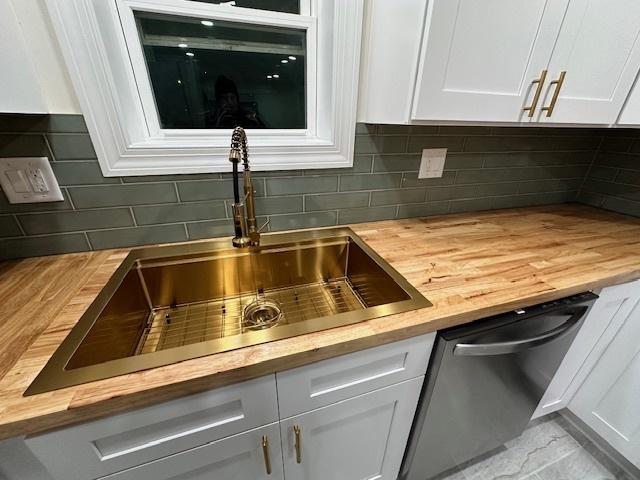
284, 6
218, 74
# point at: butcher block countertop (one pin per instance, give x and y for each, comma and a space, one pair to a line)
469, 266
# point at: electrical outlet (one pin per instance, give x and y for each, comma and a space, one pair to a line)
29, 180
432, 163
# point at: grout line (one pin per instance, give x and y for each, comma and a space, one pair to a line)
186, 231
49, 149
68, 196
593, 160
133, 217
86, 237
175, 187
17, 220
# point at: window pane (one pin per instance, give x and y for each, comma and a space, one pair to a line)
285, 6
223, 74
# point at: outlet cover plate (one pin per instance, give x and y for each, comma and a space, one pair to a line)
432, 163
29, 180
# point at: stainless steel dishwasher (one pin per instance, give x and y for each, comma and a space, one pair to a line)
484, 382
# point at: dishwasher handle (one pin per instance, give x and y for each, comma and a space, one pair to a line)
516, 346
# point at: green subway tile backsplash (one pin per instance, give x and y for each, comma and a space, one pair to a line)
9, 227
125, 237
75, 221
486, 168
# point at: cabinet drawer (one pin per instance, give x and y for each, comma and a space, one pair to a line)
240, 456
319, 384
129, 439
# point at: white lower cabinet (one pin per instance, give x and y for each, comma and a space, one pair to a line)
603, 322
609, 399
356, 439
353, 412
252, 455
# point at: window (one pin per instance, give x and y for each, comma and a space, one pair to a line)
222, 74
163, 82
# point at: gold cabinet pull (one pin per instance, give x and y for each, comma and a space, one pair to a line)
265, 451
296, 431
536, 96
558, 83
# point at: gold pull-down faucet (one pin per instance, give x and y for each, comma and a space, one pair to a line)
247, 233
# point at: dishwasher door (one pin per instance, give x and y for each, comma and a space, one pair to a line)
485, 381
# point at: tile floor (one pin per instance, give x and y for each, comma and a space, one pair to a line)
550, 448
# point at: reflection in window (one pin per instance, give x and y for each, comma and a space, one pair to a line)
284, 6
220, 74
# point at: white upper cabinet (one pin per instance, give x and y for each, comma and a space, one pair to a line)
599, 49
480, 59
630, 114
392, 34
20, 90
512, 61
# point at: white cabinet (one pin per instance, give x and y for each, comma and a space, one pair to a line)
630, 115
354, 412
122, 441
392, 35
609, 399
356, 439
479, 58
515, 61
480, 61
253, 455
19, 87
601, 324
330, 381
599, 49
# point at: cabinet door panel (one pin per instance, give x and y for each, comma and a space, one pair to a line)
609, 399
323, 383
599, 48
479, 58
356, 439
239, 457
133, 438
601, 325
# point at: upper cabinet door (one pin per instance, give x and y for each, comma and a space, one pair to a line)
480, 59
599, 49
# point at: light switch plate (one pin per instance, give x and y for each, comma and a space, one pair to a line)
432, 163
29, 180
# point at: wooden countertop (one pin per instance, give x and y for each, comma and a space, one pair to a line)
469, 265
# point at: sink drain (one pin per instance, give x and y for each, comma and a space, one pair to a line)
261, 314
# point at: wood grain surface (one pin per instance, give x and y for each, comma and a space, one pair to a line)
469, 265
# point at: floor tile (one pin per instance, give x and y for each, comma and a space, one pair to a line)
579, 465
540, 444
551, 448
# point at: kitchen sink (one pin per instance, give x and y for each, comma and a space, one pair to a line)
172, 303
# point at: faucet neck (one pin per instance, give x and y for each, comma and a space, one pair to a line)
244, 217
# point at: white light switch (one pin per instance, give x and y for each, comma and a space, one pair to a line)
29, 180
432, 163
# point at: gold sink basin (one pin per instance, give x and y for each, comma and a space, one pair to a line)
172, 303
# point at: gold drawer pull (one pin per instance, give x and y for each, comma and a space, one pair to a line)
558, 83
296, 431
536, 97
265, 451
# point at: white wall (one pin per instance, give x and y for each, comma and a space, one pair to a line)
34, 77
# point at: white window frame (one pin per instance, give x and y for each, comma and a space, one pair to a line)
101, 46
